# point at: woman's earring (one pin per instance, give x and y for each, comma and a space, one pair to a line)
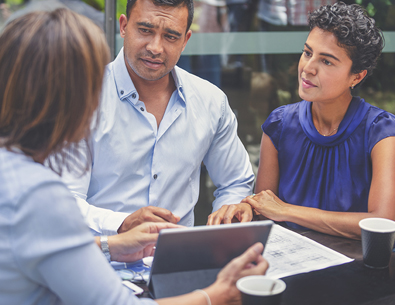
352, 86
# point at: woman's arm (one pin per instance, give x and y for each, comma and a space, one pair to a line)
223, 291
381, 201
268, 170
136, 243
382, 189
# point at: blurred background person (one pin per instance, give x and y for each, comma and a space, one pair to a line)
212, 19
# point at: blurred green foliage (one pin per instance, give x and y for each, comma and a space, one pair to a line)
14, 2
378, 9
99, 4
379, 86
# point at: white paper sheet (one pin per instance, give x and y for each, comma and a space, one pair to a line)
290, 253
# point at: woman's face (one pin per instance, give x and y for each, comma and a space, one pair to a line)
325, 69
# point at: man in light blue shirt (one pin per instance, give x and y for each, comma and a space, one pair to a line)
156, 125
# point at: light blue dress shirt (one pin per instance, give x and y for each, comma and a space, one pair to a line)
135, 163
47, 253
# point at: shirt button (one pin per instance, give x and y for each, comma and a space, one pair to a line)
155, 176
122, 91
133, 95
142, 109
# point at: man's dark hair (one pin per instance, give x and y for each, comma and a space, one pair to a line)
355, 31
174, 3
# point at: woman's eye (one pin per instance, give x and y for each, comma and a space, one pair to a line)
306, 53
328, 63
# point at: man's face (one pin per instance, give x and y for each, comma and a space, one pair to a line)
154, 37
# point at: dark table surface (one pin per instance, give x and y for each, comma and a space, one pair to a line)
348, 284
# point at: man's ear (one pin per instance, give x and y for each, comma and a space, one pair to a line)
187, 36
123, 21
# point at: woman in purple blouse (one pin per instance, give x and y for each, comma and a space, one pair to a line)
328, 161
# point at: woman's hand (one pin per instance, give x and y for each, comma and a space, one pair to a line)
268, 204
136, 243
224, 290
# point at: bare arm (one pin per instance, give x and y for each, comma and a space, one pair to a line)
268, 170
380, 204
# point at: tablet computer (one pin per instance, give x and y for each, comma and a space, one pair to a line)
190, 258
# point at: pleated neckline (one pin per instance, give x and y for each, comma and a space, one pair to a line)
355, 114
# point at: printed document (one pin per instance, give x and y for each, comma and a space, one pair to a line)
290, 253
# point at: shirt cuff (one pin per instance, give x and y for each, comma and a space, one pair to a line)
112, 222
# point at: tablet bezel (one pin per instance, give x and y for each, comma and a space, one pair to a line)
198, 253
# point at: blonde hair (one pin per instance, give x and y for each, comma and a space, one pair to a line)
51, 71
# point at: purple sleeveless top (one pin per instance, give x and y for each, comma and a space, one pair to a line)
330, 173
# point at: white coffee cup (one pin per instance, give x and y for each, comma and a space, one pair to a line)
260, 289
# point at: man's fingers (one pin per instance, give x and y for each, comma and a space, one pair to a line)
244, 212
216, 217
156, 212
246, 216
230, 212
147, 214
227, 213
168, 216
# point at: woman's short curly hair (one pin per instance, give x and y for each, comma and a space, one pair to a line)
354, 30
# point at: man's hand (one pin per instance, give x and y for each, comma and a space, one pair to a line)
136, 243
147, 214
241, 212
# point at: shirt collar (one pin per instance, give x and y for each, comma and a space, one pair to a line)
125, 86
123, 82
178, 82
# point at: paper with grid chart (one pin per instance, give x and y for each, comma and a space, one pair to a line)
290, 253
